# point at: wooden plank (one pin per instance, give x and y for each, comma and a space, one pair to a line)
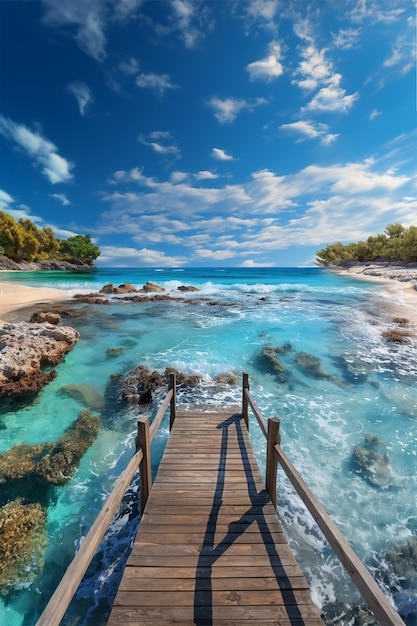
132, 583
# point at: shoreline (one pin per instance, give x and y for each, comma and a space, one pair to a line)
14, 296
397, 280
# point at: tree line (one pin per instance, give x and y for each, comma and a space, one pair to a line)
396, 243
23, 241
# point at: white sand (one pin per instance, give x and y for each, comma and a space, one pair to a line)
14, 296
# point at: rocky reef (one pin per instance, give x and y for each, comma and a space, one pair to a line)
27, 350
312, 366
27, 475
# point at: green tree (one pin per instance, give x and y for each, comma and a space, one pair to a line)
79, 247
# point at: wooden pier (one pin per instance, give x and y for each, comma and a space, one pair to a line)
210, 548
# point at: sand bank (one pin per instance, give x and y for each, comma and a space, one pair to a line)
14, 296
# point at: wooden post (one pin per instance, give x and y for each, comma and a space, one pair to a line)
173, 410
273, 439
245, 385
143, 441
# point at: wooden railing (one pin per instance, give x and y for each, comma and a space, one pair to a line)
60, 600
370, 591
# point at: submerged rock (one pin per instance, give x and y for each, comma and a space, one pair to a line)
269, 356
85, 393
25, 350
373, 461
22, 543
110, 352
312, 365
27, 467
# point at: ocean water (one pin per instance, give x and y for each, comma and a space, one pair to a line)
366, 397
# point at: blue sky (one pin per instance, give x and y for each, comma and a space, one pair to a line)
209, 133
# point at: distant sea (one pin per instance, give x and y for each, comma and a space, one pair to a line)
366, 397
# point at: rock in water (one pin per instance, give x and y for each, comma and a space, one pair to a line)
22, 543
373, 461
25, 349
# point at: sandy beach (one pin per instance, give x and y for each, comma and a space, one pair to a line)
13, 296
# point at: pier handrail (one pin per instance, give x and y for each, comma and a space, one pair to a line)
365, 583
61, 598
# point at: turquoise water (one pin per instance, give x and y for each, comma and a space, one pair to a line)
336, 318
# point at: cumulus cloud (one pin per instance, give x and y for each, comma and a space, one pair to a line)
227, 110
82, 93
5, 200
60, 197
221, 155
310, 130
316, 72
41, 150
262, 12
269, 68
158, 82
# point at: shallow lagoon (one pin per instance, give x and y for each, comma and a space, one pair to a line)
372, 392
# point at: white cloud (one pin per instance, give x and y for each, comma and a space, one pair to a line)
332, 98
184, 13
158, 82
254, 219
310, 130
125, 9
5, 200
82, 93
251, 263
129, 66
88, 18
167, 148
226, 111
44, 152
221, 155
205, 174
263, 12
374, 113
61, 197
132, 257
178, 177
268, 68
314, 69
346, 38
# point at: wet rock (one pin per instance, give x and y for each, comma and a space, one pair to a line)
50, 463
125, 288
395, 335
187, 288
227, 379
403, 321
313, 367
110, 352
373, 462
22, 543
40, 317
339, 614
86, 394
107, 289
91, 299
149, 287
139, 385
269, 356
25, 350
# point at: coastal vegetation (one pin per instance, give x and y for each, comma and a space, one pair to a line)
22, 241
397, 244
